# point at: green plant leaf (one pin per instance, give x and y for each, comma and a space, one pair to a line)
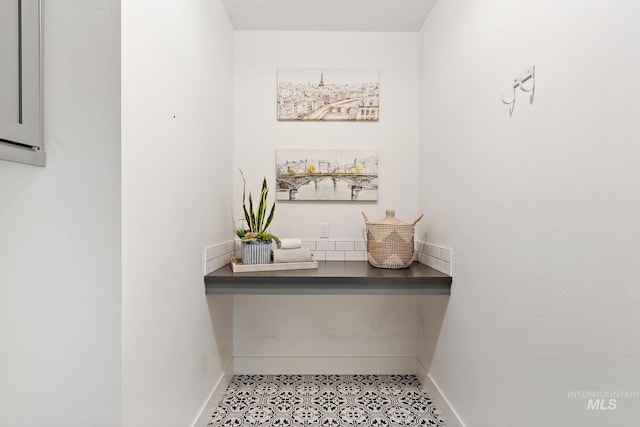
244, 186
261, 209
246, 217
252, 216
270, 217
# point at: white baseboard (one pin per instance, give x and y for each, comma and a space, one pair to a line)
324, 365
214, 397
439, 399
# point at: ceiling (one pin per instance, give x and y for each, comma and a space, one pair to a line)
328, 15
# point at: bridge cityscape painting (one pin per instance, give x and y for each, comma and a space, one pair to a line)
328, 94
341, 174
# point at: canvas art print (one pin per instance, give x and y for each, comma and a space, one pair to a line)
349, 175
328, 94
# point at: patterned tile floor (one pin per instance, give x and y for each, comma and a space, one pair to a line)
326, 400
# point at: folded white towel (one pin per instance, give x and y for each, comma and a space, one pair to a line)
292, 255
290, 243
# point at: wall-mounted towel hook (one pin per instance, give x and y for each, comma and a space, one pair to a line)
512, 103
530, 76
518, 81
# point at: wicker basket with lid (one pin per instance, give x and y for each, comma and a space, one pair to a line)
390, 241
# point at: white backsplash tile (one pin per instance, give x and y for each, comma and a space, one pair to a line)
218, 250
447, 268
319, 255
445, 254
434, 256
345, 246
359, 245
326, 245
309, 244
431, 261
216, 256
433, 251
335, 256
355, 255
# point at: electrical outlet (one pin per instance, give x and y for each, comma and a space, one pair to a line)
324, 230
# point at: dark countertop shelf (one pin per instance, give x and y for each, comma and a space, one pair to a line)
332, 278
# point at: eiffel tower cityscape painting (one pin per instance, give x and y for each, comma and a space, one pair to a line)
331, 94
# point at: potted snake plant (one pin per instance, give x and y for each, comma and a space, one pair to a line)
255, 236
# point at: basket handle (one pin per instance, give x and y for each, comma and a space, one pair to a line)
366, 220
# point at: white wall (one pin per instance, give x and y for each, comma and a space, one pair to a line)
325, 334
259, 54
541, 208
60, 235
315, 330
177, 115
